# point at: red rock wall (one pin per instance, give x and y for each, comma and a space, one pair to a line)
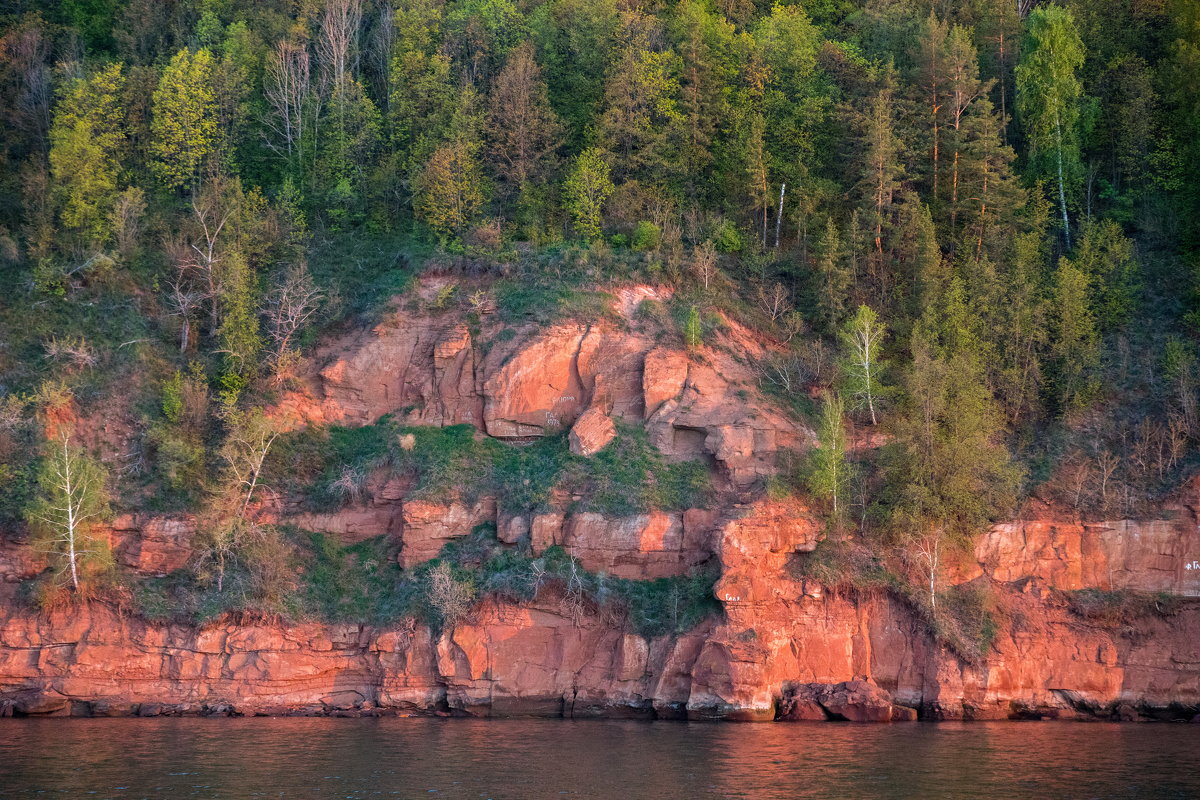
783, 646
778, 637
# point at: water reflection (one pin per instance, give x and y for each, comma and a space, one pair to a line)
519, 760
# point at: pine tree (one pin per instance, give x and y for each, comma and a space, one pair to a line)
575, 41
183, 121
1074, 342
930, 81
879, 172
947, 471
989, 194
238, 335
833, 278
524, 131
707, 46
963, 90
1106, 256
641, 124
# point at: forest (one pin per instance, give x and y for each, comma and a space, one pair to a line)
971, 226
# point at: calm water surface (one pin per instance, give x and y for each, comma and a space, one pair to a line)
518, 759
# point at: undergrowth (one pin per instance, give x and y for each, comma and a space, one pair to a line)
330, 468
362, 583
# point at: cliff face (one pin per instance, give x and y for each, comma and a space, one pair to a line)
784, 646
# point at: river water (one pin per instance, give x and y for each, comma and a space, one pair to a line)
307, 759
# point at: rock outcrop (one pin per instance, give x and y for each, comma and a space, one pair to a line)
427, 368
783, 647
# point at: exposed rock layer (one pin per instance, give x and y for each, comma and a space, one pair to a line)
783, 647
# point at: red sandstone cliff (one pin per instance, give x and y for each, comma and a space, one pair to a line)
784, 647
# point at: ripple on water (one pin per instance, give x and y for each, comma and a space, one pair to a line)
303, 759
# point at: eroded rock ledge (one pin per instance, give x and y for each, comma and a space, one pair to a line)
783, 647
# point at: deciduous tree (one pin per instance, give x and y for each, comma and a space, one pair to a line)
1049, 102
183, 120
72, 499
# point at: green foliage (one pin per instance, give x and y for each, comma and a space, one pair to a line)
829, 473
449, 190
172, 397
1074, 342
727, 238
628, 477
646, 236
947, 468
87, 145
183, 118
918, 186
238, 335
668, 605
1107, 257
586, 190
693, 331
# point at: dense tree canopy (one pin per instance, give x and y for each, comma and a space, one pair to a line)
977, 221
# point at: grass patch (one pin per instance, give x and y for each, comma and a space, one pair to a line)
650, 608
356, 583
361, 273
968, 619
519, 301
1123, 607
628, 477
362, 584
845, 566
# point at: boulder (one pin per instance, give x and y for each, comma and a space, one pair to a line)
539, 389
153, 545
663, 376
427, 527
592, 432
854, 701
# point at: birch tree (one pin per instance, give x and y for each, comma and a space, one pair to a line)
71, 501
861, 364
230, 528
830, 472
1049, 102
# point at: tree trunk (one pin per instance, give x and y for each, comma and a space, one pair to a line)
1062, 190
779, 214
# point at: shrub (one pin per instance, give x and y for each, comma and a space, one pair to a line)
727, 238
646, 236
